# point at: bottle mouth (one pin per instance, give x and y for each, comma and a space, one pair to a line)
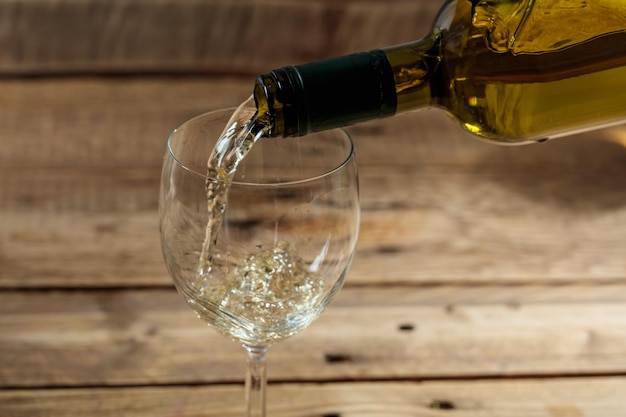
264, 99
272, 162
278, 103
327, 94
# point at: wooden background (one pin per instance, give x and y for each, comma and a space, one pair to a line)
489, 281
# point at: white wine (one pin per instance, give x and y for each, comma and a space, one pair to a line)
266, 295
240, 134
534, 70
508, 71
541, 26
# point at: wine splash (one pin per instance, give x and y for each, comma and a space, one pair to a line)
269, 294
241, 132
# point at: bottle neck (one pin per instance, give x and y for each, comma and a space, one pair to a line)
416, 70
322, 95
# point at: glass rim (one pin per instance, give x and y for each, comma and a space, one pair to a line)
339, 166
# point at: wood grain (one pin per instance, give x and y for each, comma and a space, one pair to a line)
216, 36
80, 162
98, 228
125, 121
138, 337
489, 281
103, 122
601, 397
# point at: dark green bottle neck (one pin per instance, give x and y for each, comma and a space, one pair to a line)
337, 92
327, 94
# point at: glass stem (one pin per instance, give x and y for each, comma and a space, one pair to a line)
256, 380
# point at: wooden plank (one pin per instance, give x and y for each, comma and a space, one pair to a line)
74, 249
495, 224
76, 189
132, 337
79, 227
224, 36
598, 397
92, 122
79, 182
125, 121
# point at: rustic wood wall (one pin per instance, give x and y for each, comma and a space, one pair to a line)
489, 281
213, 36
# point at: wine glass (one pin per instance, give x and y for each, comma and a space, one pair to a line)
286, 240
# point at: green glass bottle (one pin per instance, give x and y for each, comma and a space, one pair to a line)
509, 71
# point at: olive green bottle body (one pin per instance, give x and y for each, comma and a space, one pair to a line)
509, 71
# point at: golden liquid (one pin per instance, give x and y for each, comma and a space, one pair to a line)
520, 98
240, 134
540, 26
271, 294
514, 71
268, 294
563, 71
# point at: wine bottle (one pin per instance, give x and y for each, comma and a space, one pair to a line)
509, 71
